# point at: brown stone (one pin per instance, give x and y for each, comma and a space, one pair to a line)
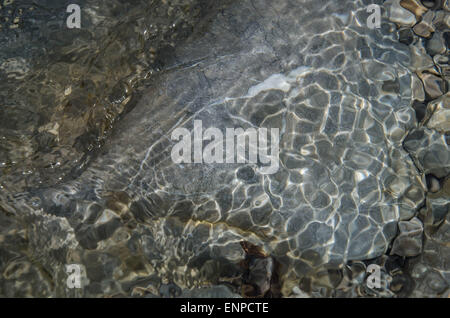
415, 7
434, 85
440, 114
425, 27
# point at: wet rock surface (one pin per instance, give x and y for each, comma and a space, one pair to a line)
408, 243
64, 89
400, 14
364, 159
429, 269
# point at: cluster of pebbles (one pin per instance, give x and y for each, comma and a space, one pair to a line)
354, 163
418, 263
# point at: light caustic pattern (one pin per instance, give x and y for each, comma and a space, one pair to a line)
339, 93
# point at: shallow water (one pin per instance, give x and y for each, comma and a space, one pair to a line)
88, 175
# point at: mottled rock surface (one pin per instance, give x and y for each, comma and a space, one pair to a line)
352, 165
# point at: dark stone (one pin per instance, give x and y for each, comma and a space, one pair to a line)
402, 285
261, 215
446, 36
420, 109
391, 86
45, 141
406, 36
107, 229
394, 263
432, 4
183, 210
246, 174
141, 210
87, 237
224, 199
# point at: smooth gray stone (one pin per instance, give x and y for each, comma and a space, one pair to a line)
436, 45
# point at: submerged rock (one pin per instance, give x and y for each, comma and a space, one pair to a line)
415, 7
399, 14
406, 36
439, 111
438, 207
340, 95
429, 150
409, 241
430, 269
420, 110
421, 61
418, 92
434, 85
446, 5
62, 90
425, 27
441, 21
436, 45
432, 4
433, 184
443, 65
259, 278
